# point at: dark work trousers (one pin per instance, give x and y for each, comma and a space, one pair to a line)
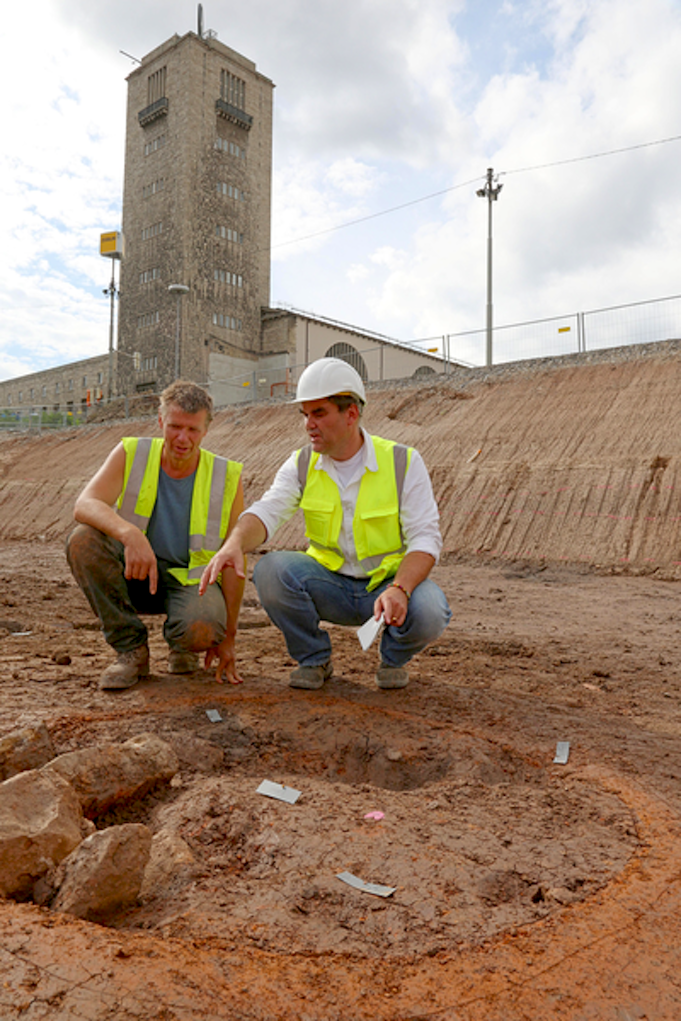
193, 623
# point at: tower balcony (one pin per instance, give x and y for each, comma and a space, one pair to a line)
233, 114
153, 112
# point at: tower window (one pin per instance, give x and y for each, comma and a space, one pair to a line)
156, 86
233, 90
155, 144
229, 235
224, 145
225, 276
148, 319
150, 274
151, 232
230, 190
226, 321
150, 189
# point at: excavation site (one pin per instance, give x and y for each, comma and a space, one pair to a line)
499, 840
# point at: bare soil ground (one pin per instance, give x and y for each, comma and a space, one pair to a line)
524, 889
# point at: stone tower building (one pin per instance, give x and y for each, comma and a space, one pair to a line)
196, 212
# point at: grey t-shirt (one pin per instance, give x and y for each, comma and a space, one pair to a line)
168, 530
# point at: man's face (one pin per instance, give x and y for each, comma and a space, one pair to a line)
183, 434
329, 429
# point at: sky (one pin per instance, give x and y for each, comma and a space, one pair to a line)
388, 114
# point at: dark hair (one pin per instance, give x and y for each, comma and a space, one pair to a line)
188, 397
343, 402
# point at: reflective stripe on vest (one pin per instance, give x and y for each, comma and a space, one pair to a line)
215, 486
135, 468
376, 527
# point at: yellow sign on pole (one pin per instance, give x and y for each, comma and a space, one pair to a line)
111, 244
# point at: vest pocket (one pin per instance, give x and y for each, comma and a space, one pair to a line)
378, 531
318, 521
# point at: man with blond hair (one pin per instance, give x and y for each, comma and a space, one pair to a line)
149, 522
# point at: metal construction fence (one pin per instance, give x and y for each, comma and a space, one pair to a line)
35, 419
642, 322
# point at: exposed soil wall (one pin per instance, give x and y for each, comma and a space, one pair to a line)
570, 460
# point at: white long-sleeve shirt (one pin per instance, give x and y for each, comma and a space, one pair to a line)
419, 517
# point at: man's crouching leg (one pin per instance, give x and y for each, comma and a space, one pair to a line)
97, 562
194, 624
428, 614
296, 592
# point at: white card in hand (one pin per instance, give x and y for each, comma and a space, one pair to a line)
369, 630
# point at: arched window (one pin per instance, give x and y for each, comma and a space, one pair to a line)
348, 354
423, 371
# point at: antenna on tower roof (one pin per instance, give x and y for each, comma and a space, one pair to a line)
205, 33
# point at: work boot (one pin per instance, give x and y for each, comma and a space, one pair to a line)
310, 677
182, 662
127, 669
391, 676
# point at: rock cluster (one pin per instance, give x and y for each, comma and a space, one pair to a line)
50, 849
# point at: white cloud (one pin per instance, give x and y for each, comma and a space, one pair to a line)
305, 207
60, 173
352, 177
391, 258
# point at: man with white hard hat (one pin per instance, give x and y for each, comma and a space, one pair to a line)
373, 530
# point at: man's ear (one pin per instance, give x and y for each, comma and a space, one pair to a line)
353, 413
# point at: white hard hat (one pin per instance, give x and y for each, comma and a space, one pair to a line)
329, 377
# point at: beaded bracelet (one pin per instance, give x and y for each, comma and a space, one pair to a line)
396, 584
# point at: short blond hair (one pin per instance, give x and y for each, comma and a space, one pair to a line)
188, 397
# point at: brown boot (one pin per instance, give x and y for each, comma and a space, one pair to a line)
127, 669
180, 662
388, 677
310, 677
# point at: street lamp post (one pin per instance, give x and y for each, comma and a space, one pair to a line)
112, 293
112, 246
491, 193
178, 290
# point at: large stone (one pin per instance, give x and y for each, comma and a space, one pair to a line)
29, 748
103, 777
40, 824
171, 865
104, 874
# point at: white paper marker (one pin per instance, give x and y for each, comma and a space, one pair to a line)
562, 752
359, 884
369, 630
278, 791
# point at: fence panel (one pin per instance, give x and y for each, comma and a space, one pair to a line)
641, 323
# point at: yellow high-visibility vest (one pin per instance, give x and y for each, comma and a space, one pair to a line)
376, 522
215, 486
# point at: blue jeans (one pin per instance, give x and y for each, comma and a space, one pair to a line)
297, 593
